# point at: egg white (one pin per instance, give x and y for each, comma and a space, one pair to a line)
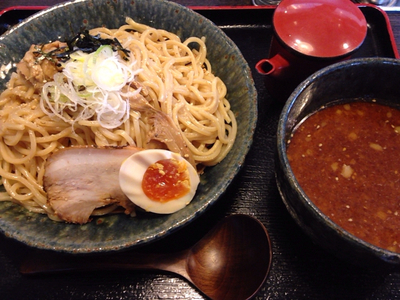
131, 175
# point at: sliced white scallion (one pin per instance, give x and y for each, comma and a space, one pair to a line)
90, 87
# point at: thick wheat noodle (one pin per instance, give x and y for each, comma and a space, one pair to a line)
174, 79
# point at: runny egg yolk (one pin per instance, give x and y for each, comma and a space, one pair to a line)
166, 180
158, 181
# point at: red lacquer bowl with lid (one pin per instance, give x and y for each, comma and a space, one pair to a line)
309, 35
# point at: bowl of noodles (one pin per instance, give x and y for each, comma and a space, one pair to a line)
174, 60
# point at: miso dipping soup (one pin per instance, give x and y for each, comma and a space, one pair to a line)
346, 158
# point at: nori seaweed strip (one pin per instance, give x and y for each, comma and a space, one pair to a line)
87, 43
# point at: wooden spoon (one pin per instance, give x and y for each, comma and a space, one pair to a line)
232, 261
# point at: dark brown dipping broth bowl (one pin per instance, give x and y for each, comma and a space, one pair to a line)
365, 78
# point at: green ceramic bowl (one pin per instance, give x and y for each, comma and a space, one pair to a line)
117, 232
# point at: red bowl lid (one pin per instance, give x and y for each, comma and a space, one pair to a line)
320, 28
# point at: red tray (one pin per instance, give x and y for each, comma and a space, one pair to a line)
300, 270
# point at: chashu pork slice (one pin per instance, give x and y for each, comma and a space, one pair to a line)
80, 179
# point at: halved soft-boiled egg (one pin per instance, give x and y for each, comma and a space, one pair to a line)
158, 181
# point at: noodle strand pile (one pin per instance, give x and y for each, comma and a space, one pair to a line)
175, 78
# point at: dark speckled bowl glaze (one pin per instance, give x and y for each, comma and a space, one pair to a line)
116, 232
369, 78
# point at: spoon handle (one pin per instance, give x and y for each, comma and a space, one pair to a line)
46, 263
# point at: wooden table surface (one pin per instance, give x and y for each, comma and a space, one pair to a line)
300, 270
